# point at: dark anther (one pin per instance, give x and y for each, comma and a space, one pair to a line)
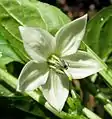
65, 66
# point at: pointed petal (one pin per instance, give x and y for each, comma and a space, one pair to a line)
68, 38
32, 76
56, 90
81, 65
38, 43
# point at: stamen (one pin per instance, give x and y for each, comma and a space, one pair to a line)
57, 70
57, 64
55, 57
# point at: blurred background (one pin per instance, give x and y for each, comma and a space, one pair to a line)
76, 8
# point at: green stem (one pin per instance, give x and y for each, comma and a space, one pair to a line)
107, 75
106, 72
106, 101
103, 98
99, 95
90, 114
108, 108
40, 99
9, 79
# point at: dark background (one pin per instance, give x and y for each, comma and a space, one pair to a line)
76, 8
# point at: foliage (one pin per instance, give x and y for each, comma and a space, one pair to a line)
99, 38
20, 13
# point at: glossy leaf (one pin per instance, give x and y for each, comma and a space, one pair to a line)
99, 35
106, 39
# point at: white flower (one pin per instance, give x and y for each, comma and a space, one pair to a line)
54, 60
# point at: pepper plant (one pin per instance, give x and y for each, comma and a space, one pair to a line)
54, 52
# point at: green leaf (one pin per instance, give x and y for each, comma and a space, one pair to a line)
106, 39
31, 107
26, 13
54, 19
99, 33
7, 55
5, 92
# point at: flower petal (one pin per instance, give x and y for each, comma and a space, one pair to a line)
81, 65
68, 38
56, 90
38, 43
32, 76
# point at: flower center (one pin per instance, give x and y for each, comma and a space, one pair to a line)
57, 64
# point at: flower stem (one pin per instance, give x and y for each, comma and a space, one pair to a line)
9, 79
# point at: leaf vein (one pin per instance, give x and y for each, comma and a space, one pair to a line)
12, 15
